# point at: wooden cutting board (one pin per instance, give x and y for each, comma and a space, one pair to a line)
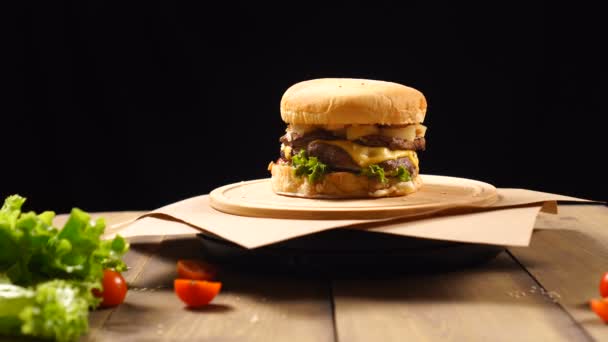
256, 198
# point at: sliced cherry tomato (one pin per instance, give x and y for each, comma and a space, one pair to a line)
600, 306
196, 293
604, 285
195, 269
114, 289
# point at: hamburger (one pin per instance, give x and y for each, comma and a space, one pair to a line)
350, 138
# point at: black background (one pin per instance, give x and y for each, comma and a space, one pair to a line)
133, 106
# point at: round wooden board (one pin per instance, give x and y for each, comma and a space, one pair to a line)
256, 198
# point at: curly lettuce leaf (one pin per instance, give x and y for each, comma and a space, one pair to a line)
9, 237
32, 250
78, 251
56, 309
22, 236
308, 166
47, 274
375, 171
13, 299
403, 174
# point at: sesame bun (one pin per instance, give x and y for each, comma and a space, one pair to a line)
337, 185
343, 101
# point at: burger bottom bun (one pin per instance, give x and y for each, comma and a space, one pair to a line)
337, 185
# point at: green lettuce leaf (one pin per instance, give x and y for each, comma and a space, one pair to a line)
56, 309
13, 299
403, 174
308, 166
32, 250
47, 274
374, 171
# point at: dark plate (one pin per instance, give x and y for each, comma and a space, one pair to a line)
349, 251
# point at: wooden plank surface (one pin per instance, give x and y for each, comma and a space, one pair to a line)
535, 293
141, 251
500, 298
567, 256
589, 219
250, 307
497, 302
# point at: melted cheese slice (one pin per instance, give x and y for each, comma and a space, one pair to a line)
365, 155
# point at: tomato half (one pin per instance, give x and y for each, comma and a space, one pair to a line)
604, 285
195, 269
114, 289
196, 293
600, 307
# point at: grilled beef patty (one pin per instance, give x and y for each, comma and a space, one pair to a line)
335, 157
393, 143
297, 142
339, 160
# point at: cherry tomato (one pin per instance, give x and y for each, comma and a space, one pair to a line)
604, 285
196, 293
195, 269
600, 306
114, 289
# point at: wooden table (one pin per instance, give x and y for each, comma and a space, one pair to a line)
539, 293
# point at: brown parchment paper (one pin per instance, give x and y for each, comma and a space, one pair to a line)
508, 222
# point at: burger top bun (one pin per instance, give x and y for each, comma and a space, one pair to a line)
343, 101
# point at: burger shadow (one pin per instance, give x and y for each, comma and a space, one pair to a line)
212, 308
349, 254
418, 271
329, 254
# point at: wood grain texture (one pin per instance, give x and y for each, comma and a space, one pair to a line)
250, 307
589, 219
497, 302
142, 249
567, 256
255, 198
